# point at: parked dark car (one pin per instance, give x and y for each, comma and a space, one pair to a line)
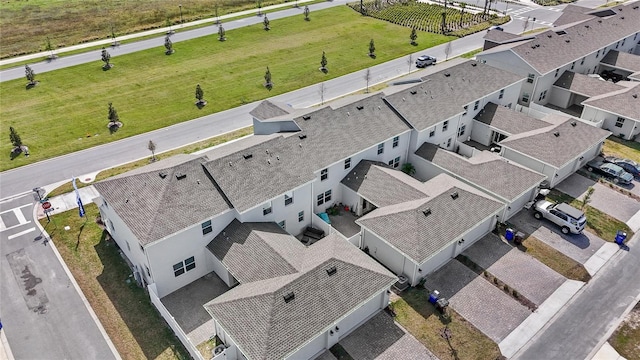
610, 171
629, 166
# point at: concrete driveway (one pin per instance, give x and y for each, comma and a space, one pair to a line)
605, 199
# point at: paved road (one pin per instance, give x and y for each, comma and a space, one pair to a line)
580, 327
43, 316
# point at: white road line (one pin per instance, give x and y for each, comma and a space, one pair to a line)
15, 226
19, 207
20, 216
21, 233
2, 225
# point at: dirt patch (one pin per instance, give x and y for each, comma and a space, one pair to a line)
626, 339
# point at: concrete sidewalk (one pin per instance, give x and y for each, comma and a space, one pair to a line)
67, 201
161, 30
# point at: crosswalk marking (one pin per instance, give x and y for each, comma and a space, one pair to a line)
21, 233
19, 215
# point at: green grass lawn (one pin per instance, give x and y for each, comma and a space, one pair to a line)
554, 259
124, 309
150, 90
626, 339
420, 318
622, 148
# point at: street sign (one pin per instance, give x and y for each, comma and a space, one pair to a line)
46, 205
46, 211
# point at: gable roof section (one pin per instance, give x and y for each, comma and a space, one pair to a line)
269, 109
444, 94
585, 85
500, 36
508, 121
557, 151
625, 102
277, 328
622, 60
289, 161
154, 207
549, 51
256, 251
493, 173
374, 181
406, 227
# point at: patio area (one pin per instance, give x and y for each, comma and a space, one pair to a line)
186, 306
573, 110
345, 223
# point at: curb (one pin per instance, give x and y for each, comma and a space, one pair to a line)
93, 315
5, 350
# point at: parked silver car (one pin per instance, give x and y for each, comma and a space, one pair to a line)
570, 219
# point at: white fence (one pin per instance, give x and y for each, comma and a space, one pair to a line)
466, 150
172, 323
318, 223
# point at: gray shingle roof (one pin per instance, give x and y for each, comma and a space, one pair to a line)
154, 207
331, 135
498, 36
374, 181
442, 96
585, 85
625, 103
276, 328
256, 251
557, 150
571, 14
622, 60
507, 120
550, 51
269, 109
493, 173
406, 227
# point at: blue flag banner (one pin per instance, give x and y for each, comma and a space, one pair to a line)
78, 200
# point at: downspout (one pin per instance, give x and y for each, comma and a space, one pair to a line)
311, 204
415, 268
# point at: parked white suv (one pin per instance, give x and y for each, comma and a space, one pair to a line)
570, 219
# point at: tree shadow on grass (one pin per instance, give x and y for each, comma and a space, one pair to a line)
133, 304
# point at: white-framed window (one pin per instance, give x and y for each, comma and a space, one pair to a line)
320, 199
462, 129
501, 94
556, 74
288, 199
432, 133
395, 162
267, 209
525, 97
445, 125
595, 69
530, 78
347, 163
324, 174
448, 142
623, 40
380, 148
327, 195
206, 227
476, 105
617, 44
396, 141
542, 95
597, 54
582, 61
283, 224
183, 266
573, 65
466, 107
324, 197
620, 122
301, 216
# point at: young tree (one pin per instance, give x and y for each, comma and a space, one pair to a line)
31, 76
323, 63
444, 22
306, 13
526, 24
485, 9
587, 197
265, 21
259, 8
372, 49
267, 80
447, 50
48, 47
114, 120
200, 97
367, 78
152, 147
217, 17
410, 62
322, 90
16, 141
113, 37
168, 24
168, 45
413, 37
106, 58
462, 7
221, 33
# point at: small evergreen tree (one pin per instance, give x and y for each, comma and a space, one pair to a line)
152, 147
113, 114
200, 97
306, 13
372, 49
221, 33
16, 141
106, 58
267, 80
168, 45
323, 63
413, 37
408, 168
266, 22
31, 76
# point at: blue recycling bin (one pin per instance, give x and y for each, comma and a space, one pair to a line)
509, 234
433, 297
621, 236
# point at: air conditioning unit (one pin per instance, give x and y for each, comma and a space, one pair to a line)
219, 352
402, 283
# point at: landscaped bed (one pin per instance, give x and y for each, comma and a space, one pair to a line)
123, 308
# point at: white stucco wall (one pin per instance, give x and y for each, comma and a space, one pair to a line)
559, 97
222, 272
481, 133
425, 169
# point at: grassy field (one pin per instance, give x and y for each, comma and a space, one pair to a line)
124, 309
599, 223
622, 148
150, 90
26, 24
554, 259
626, 339
420, 318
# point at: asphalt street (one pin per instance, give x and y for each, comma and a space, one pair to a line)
580, 327
43, 316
